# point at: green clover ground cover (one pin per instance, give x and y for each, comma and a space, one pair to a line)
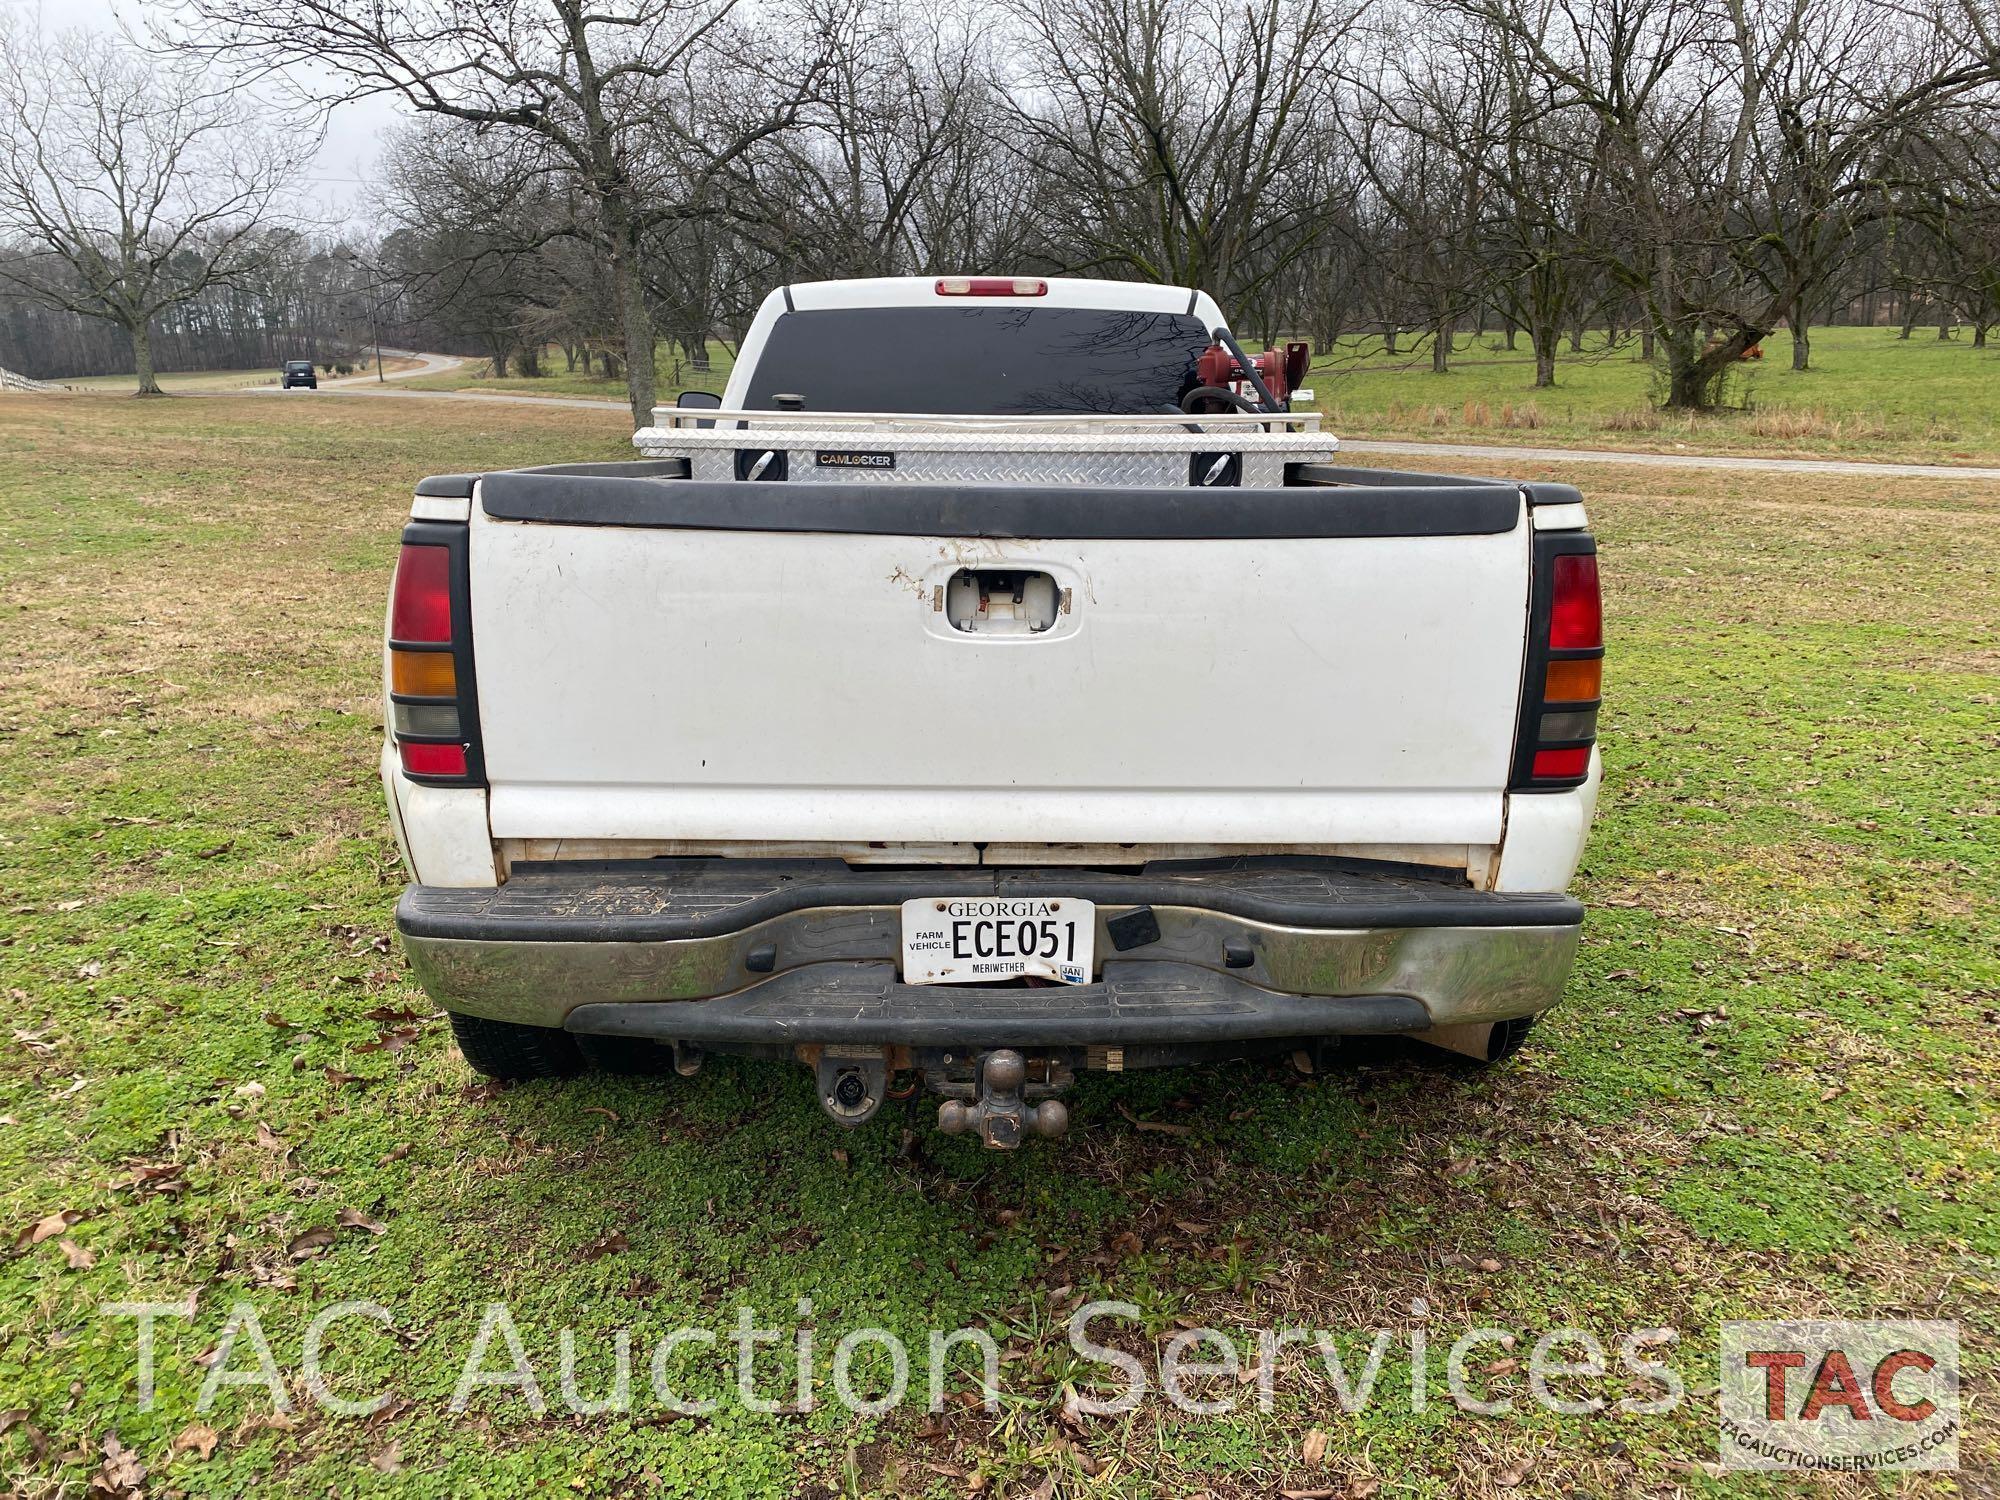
1770, 1091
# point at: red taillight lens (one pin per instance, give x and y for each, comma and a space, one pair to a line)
420, 605
1576, 612
433, 708
433, 760
1564, 681
991, 286
1562, 764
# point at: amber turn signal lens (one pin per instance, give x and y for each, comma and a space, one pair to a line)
430, 674
1574, 681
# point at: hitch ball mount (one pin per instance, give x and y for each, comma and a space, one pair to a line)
999, 1115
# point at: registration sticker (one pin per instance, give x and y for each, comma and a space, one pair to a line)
984, 939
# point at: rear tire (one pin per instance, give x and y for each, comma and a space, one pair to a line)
509, 1051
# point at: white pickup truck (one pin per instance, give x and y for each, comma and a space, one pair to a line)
998, 681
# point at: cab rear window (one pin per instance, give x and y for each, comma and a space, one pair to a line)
957, 360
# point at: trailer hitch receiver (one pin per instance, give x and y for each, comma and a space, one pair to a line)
998, 1113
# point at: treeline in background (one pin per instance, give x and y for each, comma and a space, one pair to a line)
602, 178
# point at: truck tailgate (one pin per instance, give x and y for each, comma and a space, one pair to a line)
754, 661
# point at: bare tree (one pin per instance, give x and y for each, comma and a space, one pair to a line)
627, 93
1171, 132
133, 188
1692, 97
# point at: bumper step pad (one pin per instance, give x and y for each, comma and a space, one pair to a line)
1135, 1003
663, 900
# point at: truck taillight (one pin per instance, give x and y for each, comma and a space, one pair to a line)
991, 286
1564, 682
433, 715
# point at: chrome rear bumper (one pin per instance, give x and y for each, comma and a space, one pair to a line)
804, 951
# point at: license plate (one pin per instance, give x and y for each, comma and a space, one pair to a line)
982, 939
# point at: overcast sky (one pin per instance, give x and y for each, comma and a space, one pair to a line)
339, 177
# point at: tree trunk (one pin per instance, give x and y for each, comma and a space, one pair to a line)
1545, 363
1946, 327
142, 359
1694, 367
1441, 350
1388, 341
1801, 339
1646, 340
531, 361
569, 359
635, 322
1513, 337
1979, 335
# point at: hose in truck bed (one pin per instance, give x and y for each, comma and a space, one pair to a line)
1217, 393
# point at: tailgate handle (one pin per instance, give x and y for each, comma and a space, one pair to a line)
1003, 601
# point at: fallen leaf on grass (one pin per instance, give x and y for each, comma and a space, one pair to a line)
1302, 1060
252, 1090
1512, 1476
598, 1109
38, 1441
390, 1014
1319, 1494
34, 1041
610, 1244
306, 1245
389, 1460
1489, 1265
1364, 1488
156, 1177
78, 1258
353, 1218
335, 1077
198, 1440
92, 970
271, 1141
391, 1042
1313, 1449
47, 1228
395, 1153
121, 1473
1159, 1127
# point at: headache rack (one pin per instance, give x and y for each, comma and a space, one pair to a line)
1250, 450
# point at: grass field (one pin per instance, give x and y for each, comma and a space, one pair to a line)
191, 382
671, 373
1867, 395
183, 381
1771, 1090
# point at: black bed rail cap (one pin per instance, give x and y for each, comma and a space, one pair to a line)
1084, 512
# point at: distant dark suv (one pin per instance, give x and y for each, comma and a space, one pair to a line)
298, 372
